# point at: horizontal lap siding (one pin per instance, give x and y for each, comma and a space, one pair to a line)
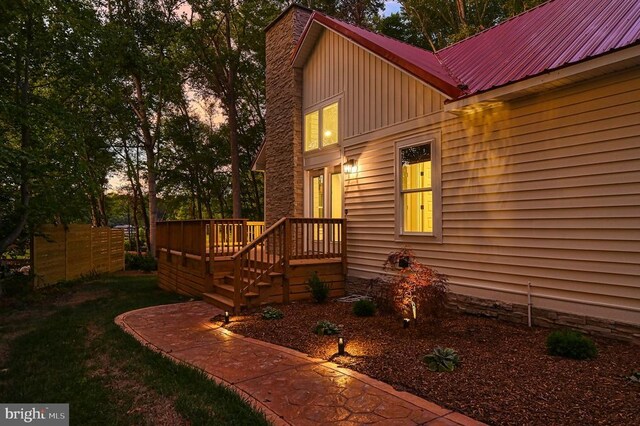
375, 94
545, 190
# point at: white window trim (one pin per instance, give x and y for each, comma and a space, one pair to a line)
319, 107
436, 189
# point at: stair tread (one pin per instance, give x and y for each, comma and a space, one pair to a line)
251, 294
246, 280
219, 298
225, 287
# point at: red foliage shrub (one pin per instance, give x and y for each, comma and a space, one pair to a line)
413, 290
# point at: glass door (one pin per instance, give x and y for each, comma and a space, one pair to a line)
325, 201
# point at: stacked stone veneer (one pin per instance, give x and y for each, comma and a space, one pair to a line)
283, 146
517, 313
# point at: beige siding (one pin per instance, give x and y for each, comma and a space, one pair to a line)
374, 93
543, 190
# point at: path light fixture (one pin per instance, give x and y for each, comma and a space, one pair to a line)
350, 167
340, 346
405, 322
226, 317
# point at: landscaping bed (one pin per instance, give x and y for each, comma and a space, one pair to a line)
506, 375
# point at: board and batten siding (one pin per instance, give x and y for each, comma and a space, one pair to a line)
544, 190
374, 93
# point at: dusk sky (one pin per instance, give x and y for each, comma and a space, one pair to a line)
391, 7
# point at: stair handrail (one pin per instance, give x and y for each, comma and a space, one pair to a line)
237, 259
258, 240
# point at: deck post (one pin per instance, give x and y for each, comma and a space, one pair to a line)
343, 248
203, 246
287, 257
211, 246
237, 297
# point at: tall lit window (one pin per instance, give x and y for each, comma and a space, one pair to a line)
330, 125
311, 126
416, 190
321, 127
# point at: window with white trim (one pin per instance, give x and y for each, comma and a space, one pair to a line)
416, 188
321, 127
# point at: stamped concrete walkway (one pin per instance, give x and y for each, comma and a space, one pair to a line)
290, 387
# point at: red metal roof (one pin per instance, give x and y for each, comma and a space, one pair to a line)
555, 34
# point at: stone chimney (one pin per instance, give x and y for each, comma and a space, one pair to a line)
283, 144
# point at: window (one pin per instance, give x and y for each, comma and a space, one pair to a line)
416, 190
311, 131
325, 119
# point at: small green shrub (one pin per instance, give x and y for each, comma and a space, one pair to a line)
16, 285
326, 328
271, 313
442, 359
139, 262
571, 344
635, 377
364, 308
319, 289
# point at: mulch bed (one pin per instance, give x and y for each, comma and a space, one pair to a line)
506, 376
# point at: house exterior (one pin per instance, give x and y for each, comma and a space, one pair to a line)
509, 161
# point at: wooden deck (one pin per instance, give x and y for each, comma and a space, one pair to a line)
236, 264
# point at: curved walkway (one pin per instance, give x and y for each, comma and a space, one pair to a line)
290, 387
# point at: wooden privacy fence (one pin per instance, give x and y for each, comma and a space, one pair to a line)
62, 254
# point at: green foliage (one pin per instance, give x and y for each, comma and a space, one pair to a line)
319, 289
362, 13
326, 328
15, 284
571, 344
271, 313
140, 262
442, 22
364, 308
635, 377
442, 359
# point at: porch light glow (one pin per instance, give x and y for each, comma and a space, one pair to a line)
226, 317
350, 166
327, 133
340, 346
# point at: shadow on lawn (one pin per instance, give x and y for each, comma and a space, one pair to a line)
64, 347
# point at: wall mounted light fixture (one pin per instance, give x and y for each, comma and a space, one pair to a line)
351, 166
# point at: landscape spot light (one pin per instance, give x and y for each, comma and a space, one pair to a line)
226, 317
340, 346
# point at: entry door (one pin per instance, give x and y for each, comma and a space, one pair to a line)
326, 200
326, 193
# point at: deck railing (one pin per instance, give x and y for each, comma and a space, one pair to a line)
202, 238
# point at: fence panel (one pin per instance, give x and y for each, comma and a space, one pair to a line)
65, 254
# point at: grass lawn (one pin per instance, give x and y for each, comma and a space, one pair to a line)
63, 347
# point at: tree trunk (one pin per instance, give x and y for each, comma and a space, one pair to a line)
153, 202
256, 193
232, 112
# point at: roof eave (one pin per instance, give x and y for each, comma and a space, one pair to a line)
620, 58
